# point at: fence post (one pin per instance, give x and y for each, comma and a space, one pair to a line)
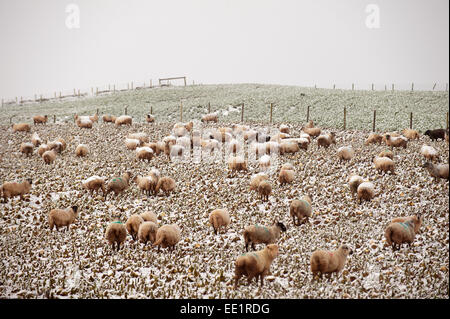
242, 113
21, 100
16, 99
151, 109
374, 119
307, 114
410, 120
126, 108
434, 86
54, 118
209, 107
271, 108
385, 87
40, 99
74, 92
345, 117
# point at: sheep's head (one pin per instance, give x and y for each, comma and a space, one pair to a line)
427, 165
346, 250
281, 226
272, 249
29, 180
75, 209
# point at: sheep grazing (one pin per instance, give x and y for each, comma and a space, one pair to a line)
237, 163
21, 127
417, 217
108, 118
384, 164
49, 156
167, 236
56, 146
211, 117
410, 134
166, 184
150, 118
132, 225
35, 139
42, 149
219, 218
180, 131
123, 120
141, 136
154, 146
94, 183
83, 121
143, 184
12, 189
26, 148
256, 179
286, 176
301, 210
437, 170
149, 217
81, 150
147, 232
118, 184
272, 147
399, 141
312, 131
278, 137
386, 153
144, 153
326, 140
289, 147
284, 129
345, 153
354, 182
256, 234
398, 233
310, 124
328, 262
62, 217
39, 119
176, 151
264, 190
366, 191
255, 264
132, 143
188, 126
264, 162
436, 134
429, 152
373, 138
116, 234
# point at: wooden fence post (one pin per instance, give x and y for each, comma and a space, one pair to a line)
307, 114
410, 120
271, 108
97, 112
242, 113
345, 117
151, 109
54, 118
385, 87
79, 93
126, 109
209, 107
374, 119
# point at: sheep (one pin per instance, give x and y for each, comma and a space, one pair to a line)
272, 147
436, 134
366, 191
255, 264
437, 170
160, 147
184, 141
62, 217
286, 176
256, 234
176, 151
116, 233
63, 143
143, 184
81, 150
154, 147
132, 225
397, 233
237, 163
188, 126
210, 145
94, 118
328, 262
21, 127
154, 179
150, 118
49, 156
354, 182
94, 183
42, 149
326, 140
40, 119
123, 120
234, 146
373, 138
284, 129
256, 179
264, 162
83, 121
287, 166
399, 141
417, 217
180, 131
144, 153
108, 118
219, 218
277, 137
429, 152
289, 147
264, 190
141, 136
35, 139
386, 153
149, 217
345, 153
167, 236
55, 146
258, 149
26, 148
211, 117
166, 184
301, 210
132, 144
13, 189
410, 134
147, 232
310, 124
118, 184
384, 164
313, 131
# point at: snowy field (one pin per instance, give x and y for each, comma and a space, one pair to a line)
37, 263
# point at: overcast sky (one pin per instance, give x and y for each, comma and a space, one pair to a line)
214, 41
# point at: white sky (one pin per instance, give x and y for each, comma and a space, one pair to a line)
213, 41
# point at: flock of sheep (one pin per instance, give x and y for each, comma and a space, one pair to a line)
185, 138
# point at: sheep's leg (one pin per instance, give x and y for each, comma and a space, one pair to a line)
253, 246
246, 247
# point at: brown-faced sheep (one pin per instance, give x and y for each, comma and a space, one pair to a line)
118, 184
219, 218
286, 176
124, 120
384, 164
132, 143
256, 234
345, 153
255, 264
149, 217
62, 217
417, 224
55, 146
234, 147
437, 170
39, 119
326, 140
150, 118
366, 191
35, 139
42, 149
167, 236
410, 134
301, 210
116, 233
328, 262
264, 162
264, 190
144, 153
289, 147
284, 129
397, 233
373, 138
143, 183
399, 141
81, 150
132, 225
26, 148
12, 189
272, 147
108, 118
256, 179
312, 131
354, 182
21, 127
94, 118
83, 121
386, 153
429, 152
147, 232
436, 134
166, 184
141, 136
94, 183
210, 118
49, 156
237, 163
